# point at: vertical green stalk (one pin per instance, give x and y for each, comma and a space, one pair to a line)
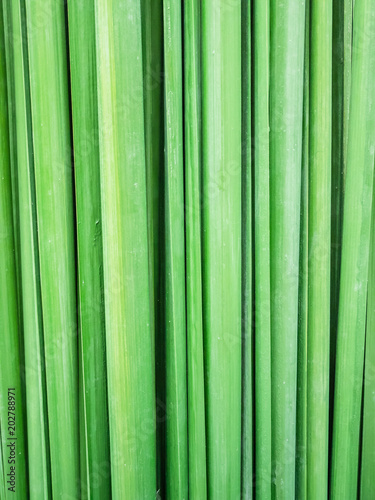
221, 106
9, 39
368, 433
131, 392
355, 257
286, 102
263, 451
152, 17
54, 200
342, 27
175, 350
347, 72
12, 436
246, 259
342, 37
193, 170
94, 439
301, 437
152, 39
319, 242
36, 397
12, 125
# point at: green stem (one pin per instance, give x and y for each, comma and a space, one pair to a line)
341, 78
221, 106
355, 257
95, 478
286, 103
9, 39
319, 241
152, 38
54, 197
301, 437
37, 419
193, 166
9, 319
152, 17
263, 451
175, 351
131, 391
247, 260
368, 433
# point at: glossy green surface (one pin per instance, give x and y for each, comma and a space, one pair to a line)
55, 210
131, 395
263, 451
355, 257
194, 316
221, 125
319, 248
286, 99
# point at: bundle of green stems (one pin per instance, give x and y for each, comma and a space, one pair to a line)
187, 249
